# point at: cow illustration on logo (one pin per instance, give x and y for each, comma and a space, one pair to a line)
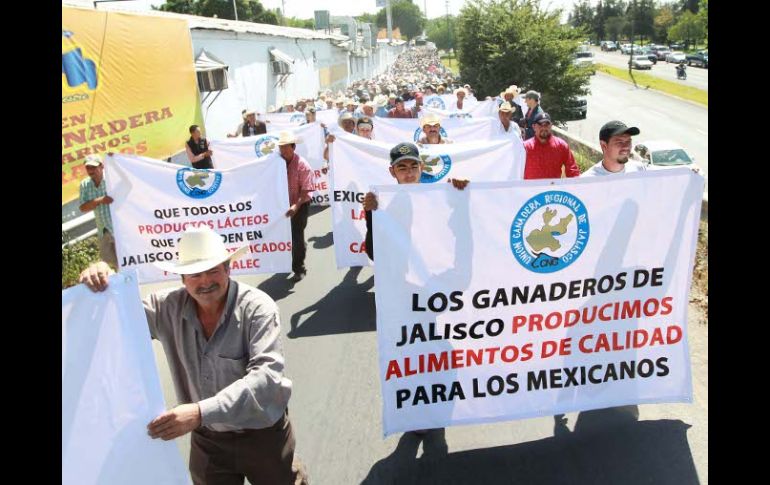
76, 68
435, 167
198, 184
549, 232
265, 145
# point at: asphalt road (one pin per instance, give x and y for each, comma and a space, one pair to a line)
658, 116
330, 346
697, 77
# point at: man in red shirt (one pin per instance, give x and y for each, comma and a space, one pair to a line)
300, 177
399, 111
547, 154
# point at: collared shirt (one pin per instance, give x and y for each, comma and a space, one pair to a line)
544, 160
441, 140
89, 191
236, 376
300, 177
599, 170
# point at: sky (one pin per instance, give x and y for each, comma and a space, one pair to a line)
305, 8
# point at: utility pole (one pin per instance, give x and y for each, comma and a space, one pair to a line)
448, 28
390, 21
235, 10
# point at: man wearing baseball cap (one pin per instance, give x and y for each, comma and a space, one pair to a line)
532, 99
615, 140
547, 154
222, 341
93, 197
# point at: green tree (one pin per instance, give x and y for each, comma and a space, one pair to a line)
248, 10
614, 26
664, 20
689, 28
504, 42
641, 13
598, 22
582, 17
440, 31
299, 23
703, 13
406, 16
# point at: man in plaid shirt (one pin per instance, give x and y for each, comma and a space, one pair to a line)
93, 197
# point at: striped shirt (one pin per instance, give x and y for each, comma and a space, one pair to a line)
89, 191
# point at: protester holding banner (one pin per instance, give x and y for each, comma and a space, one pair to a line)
93, 197
197, 148
431, 127
300, 178
547, 154
615, 141
252, 126
365, 127
222, 339
506, 126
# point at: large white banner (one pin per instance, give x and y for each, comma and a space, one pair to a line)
481, 109
329, 117
233, 152
523, 299
295, 118
155, 202
397, 130
358, 163
111, 391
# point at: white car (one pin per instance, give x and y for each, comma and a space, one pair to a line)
662, 154
676, 57
584, 58
640, 62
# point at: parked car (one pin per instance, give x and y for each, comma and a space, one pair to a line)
661, 51
626, 48
640, 62
576, 109
676, 47
608, 45
584, 58
700, 58
676, 57
662, 154
647, 52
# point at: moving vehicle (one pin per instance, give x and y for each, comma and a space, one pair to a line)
700, 58
640, 62
663, 154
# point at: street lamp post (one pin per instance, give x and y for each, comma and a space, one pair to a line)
235, 10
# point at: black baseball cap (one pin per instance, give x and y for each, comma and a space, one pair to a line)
404, 151
399, 99
614, 128
542, 116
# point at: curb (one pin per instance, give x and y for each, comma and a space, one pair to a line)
655, 90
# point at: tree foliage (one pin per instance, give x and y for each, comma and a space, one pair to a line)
689, 28
250, 11
504, 42
406, 16
441, 32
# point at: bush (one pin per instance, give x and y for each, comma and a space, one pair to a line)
75, 258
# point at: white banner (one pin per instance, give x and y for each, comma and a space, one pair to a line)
329, 117
155, 202
111, 391
482, 109
233, 152
523, 299
358, 163
295, 118
397, 130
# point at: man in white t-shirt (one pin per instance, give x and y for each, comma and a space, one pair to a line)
615, 140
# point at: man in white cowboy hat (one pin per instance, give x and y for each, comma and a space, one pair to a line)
459, 103
222, 341
431, 127
288, 106
506, 125
300, 178
251, 125
93, 197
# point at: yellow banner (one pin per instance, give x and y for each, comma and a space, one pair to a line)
128, 86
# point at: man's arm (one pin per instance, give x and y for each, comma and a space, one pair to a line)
570, 166
93, 203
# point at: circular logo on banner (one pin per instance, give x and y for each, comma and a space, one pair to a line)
549, 232
265, 145
198, 184
435, 167
434, 102
298, 119
441, 131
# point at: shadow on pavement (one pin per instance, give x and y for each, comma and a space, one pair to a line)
607, 447
347, 308
278, 286
322, 242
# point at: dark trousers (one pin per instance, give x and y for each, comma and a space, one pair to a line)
264, 456
298, 246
